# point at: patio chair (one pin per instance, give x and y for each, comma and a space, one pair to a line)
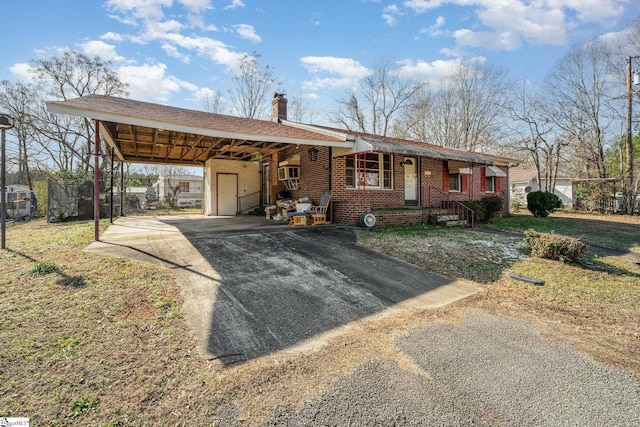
318, 214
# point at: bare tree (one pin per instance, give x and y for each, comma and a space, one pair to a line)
465, 112
380, 98
213, 103
414, 124
69, 75
252, 84
298, 110
537, 135
18, 100
580, 103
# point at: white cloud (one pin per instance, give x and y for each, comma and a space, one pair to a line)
103, 50
390, 14
145, 9
247, 32
508, 24
149, 82
345, 67
234, 4
114, 37
168, 33
345, 72
215, 50
23, 72
436, 71
486, 39
434, 29
531, 22
196, 6
329, 83
158, 30
421, 6
595, 10
173, 52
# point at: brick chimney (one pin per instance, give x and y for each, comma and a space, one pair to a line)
279, 107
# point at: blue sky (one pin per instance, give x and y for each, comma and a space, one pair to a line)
177, 51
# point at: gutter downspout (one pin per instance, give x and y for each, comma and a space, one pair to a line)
330, 182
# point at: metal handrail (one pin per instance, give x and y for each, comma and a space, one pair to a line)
248, 201
459, 208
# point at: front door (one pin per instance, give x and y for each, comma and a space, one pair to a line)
410, 165
227, 191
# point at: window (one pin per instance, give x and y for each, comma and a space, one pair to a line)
184, 186
373, 171
490, 184
455, 182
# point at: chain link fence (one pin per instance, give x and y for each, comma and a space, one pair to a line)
70, 200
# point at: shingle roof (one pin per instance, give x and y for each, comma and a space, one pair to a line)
419, 148
143, 131
522, 175
130, 111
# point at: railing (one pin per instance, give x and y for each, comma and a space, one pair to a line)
445, 201
248, 202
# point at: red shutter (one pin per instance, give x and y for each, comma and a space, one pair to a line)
497, 184
483, 180
445, 175
465, 183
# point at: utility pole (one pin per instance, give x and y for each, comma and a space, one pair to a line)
628, 179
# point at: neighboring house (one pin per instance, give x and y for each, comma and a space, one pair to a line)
524, 181
187, 190
21, 202
250, 162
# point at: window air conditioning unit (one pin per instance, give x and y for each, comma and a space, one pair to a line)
288, 172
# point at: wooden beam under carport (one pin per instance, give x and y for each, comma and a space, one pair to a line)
106, 134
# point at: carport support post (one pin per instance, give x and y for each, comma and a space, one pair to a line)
96, 185
121, 188
111, 191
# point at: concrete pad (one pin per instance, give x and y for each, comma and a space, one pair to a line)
252, 287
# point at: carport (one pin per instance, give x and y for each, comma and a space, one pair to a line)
141, 132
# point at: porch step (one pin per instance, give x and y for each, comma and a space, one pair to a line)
446, 218
456, 223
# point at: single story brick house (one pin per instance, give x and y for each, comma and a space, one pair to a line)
250, 162
393, 178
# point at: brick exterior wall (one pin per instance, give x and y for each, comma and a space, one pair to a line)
348, 204
401, 217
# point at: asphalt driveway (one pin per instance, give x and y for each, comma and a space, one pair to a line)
252, 287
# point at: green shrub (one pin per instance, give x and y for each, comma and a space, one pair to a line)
554, 246
542, 203
492, 205
485, 208
478, 207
